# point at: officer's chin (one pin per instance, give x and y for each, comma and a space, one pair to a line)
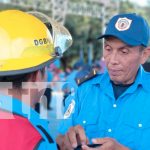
116, 80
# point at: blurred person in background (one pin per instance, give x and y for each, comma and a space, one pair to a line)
70, 83
47, 96
97, 66
70, 79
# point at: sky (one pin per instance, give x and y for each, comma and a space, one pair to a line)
140, 2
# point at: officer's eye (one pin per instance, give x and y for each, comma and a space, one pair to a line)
124, 51
107, 48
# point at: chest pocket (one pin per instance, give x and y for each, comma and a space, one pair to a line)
91, 125
90, 113
134, 134
95, 129
145, 136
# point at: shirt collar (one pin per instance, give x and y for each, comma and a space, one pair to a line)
142, 78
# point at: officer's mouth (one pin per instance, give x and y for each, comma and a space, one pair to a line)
114, 72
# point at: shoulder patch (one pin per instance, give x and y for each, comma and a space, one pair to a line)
69, 110
86, 77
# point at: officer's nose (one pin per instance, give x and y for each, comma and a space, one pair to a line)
114, 58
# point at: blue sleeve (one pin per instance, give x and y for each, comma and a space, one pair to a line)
71, 107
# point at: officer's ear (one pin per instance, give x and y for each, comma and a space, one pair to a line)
37, 76
145, 54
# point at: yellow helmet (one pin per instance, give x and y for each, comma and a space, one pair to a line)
27, 43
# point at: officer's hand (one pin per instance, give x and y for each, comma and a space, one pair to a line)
63, 143
74, 137
107, 144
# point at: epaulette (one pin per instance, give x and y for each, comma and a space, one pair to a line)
86, 77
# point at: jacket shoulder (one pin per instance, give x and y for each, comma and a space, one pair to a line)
20, 129
96, 79
87, 77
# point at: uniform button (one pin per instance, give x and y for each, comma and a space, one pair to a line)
84, 122
109, 130
114, 105
140, 125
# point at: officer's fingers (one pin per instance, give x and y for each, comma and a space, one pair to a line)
81, 134
66, 144
60, 140
87, 141
85, 147
106, 146
71, 134
101, 140
107, 143
112, 144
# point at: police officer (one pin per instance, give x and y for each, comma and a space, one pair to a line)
71, 77
26, 48
112, 109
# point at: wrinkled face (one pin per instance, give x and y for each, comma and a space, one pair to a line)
122, 60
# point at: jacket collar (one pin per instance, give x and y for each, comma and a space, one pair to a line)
142, 79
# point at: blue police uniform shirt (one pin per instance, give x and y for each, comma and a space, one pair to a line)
127, 120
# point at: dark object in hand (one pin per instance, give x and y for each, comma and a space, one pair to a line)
89, 145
